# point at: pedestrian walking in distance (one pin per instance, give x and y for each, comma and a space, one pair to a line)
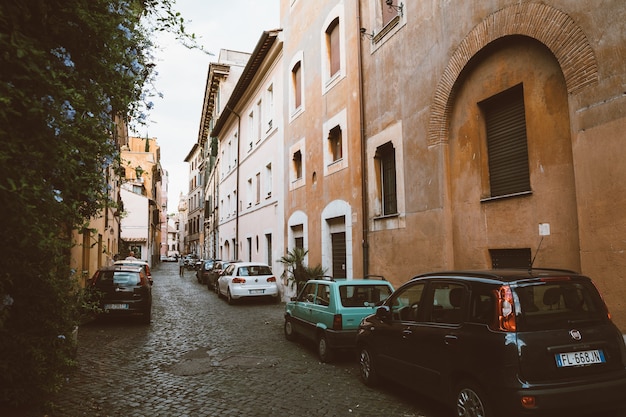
181, 266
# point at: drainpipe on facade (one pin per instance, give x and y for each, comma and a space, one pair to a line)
364, 205
236, 253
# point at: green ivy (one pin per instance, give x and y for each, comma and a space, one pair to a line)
68, 70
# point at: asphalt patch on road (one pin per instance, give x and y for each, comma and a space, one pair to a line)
204, 360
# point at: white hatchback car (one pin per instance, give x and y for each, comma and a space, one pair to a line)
247, 279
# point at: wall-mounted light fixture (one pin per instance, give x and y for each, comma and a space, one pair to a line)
139, 171
399, 8
364, 33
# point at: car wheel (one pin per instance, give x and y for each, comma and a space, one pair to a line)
367, 368
324, 351
230, 298
470, 401
290, 333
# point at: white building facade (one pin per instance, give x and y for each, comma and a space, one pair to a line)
250, 169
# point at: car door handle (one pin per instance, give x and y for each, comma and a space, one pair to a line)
450, 338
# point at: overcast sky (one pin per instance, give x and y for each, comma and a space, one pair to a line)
232, 24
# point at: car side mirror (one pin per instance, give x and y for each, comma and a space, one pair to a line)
383, 313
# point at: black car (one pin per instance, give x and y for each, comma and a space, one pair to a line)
123, 291
203, 273
501, 342
215, 273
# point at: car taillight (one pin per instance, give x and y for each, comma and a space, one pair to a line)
271, 279
337, 322
143, 279
238, 280
528, 401
505, 309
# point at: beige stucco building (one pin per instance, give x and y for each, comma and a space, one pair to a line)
142, 197
504, 122
323, 153
97, 245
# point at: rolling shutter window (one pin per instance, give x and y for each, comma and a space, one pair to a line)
507, 146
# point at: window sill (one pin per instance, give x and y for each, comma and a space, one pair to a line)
506, 196
386, 216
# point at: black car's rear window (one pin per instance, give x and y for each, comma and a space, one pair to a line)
120, 278
363, 295
558, 304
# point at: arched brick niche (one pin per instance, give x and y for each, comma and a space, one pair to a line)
547, 24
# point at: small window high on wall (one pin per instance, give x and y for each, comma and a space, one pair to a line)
333, 44
386, 158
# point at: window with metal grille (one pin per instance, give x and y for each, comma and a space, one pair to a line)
510, 258
507, 145
386, 155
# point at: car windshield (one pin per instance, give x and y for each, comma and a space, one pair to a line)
558, 304
363, 295
254, 270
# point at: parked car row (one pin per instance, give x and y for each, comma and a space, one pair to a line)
487, 343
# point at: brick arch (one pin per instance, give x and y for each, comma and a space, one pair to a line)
546, 24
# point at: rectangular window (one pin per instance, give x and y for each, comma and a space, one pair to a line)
258, 187
386, 155
268, 241
297, 164
250, 192
332, 38
251, 129
259, 122
270, 107
334, 141
296, 74
268, 180
507, 145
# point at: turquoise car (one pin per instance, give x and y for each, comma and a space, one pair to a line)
329, 311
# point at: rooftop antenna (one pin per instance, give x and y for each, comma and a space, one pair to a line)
544, 230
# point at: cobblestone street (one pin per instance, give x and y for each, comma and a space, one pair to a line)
203, 357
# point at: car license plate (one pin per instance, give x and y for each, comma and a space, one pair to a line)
587, 357
116, 306
257, 291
